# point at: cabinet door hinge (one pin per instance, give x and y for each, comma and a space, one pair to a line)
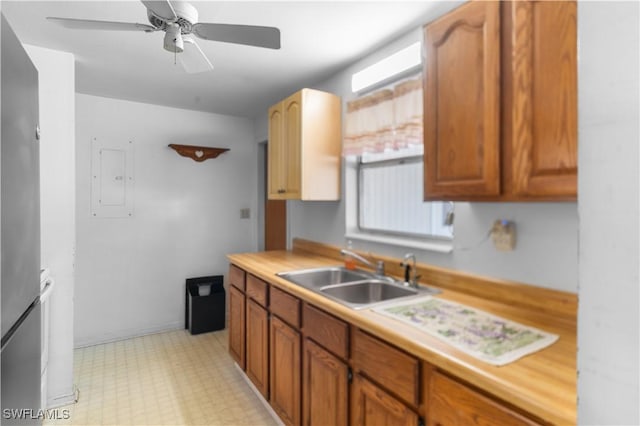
349, 375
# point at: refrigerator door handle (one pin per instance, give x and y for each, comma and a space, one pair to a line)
7, 337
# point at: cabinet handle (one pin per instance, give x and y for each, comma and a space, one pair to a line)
281, 191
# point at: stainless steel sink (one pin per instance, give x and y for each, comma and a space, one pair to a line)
316, 278
357, 289
366, 292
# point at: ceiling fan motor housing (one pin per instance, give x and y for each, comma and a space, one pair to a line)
187, 16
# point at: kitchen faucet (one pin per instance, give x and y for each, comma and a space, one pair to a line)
379, 266
413, 282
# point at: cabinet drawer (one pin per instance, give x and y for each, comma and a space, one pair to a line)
451, 402
236, 277
285, 306
257, 290
327, 330
387, 365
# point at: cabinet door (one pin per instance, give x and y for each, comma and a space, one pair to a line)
285, 371
462, 103
371, 406
451, 403
292, 111
285, 133
325, 387
258, 346
276, 153
236, 325
541, 99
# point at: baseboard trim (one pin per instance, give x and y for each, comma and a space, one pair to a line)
259, 395
61, 401
127, 334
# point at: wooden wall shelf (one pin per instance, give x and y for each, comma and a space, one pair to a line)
197, 153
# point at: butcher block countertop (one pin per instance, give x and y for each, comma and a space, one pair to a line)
542, 384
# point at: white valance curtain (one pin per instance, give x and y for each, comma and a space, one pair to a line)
388, 119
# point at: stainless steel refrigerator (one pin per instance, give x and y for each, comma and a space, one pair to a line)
20, 235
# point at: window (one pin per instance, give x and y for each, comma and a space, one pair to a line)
389, 187
383, 148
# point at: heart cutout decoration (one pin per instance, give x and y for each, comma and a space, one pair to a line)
199, 154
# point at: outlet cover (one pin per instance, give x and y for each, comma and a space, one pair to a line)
503, 235
245, 213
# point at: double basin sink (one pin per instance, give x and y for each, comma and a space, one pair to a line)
356, 289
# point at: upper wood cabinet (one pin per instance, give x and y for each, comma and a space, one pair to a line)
540, 99
462, 102
500, 102
304, 147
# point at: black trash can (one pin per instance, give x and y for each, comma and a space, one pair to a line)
205, 304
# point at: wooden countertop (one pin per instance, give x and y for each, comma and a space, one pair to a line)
543, 383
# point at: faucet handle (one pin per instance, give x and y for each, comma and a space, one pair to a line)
380, 267
409, 256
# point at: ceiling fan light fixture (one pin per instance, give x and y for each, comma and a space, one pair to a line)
173, 39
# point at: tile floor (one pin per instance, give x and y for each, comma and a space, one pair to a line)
170, 378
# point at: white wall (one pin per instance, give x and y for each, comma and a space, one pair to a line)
131, 271
56, 74
547, 233
609, 214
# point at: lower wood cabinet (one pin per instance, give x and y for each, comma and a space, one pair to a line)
301, 358
451, 403
285, 371
387, 365
237, 326
325, 393
257, 355
371, 406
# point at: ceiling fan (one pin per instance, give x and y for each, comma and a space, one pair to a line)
179, 21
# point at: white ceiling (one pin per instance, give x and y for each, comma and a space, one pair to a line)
318, 39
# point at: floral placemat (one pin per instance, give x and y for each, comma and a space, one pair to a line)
482, 335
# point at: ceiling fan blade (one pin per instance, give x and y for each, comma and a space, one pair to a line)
250, 35
161, 9
193, 59
88, 24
